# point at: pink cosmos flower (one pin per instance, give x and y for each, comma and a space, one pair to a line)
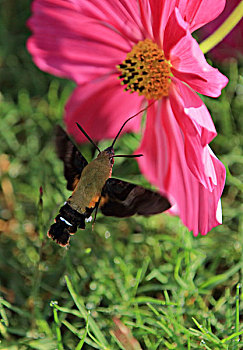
147, 44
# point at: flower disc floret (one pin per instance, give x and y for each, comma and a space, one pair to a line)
146, 71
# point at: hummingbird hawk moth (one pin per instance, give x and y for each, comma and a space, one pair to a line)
93, 188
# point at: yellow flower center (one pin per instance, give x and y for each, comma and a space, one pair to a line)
146, 71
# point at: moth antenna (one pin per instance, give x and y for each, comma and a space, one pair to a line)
87, 136
128, 155
142, 110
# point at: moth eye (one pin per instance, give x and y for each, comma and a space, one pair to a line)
111, 160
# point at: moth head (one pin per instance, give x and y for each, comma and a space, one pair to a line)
107, 153
110, 153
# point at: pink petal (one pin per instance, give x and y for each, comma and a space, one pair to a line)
156, 11
122, 15
199, 12
160, 12
164, 164
145, 17
101, 107
68, 44
198, 130
175, 30
188, 61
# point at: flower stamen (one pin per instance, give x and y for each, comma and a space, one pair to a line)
146, 71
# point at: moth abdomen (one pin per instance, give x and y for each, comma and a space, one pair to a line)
60, 232
66, 224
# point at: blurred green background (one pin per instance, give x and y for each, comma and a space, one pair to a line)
172, 290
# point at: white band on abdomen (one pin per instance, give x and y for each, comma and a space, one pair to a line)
68, 223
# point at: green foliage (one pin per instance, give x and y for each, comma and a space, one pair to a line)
172, 290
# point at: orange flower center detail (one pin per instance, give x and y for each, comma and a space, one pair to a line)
146, 71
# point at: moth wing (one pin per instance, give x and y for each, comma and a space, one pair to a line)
74, 162
122, 199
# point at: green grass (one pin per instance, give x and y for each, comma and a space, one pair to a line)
170, 289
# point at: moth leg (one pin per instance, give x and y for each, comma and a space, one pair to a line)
96, 210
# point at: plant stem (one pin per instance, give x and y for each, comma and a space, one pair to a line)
225, 28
